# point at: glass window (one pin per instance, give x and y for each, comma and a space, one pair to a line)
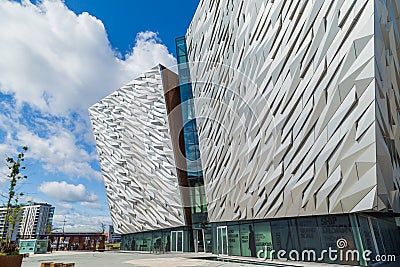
193, 153
378, 235
173, 241
309, 238
157, 242
222, 236
167, 241
181, 46
184, 71
182, 59
185, 113
139, 242
332, 228
147, 238
195, 125
179, 244
233, 240
132, 245
124, 242
263, 238
366, 236
189, 137
214, 239
196, 198
186, 93
389, 234
191, 115
208, 239
196, 139
191, 168
189, 126
191, 156
284, 235
247, 240
192, 173
198, 157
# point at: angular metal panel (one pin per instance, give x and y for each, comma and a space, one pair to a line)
285, 95
133, 140
387, 69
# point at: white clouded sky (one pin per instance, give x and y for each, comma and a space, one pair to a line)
66, 192
60, 62
54, 64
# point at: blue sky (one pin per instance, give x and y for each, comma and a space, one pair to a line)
57, 59
124, 19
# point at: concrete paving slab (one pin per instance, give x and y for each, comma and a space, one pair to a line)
120, 259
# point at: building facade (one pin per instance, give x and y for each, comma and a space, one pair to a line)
302, 115
37, 221
285, 136
34, 221
12, 231
135, 146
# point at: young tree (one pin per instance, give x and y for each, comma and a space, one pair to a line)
13, 209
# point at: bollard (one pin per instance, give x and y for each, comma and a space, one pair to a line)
56, 264
69, 265
46, 264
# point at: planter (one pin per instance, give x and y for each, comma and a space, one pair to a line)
11, 260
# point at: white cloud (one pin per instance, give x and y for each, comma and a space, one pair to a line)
62, 205
92, 205
26, 199
81, 221
57, 150
147, 49
59, 62
64, 191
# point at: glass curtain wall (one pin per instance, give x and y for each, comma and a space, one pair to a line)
191, 140
167, 240
379, 234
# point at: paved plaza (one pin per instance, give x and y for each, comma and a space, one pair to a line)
137, 259
117, 259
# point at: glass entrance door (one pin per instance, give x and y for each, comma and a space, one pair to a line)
222, 240
198, 240
176, 241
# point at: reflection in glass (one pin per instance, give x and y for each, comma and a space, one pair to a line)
233, 240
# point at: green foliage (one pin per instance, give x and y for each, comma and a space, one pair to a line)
9, 248
15, 165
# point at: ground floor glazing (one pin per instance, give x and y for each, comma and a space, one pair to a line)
358, 239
